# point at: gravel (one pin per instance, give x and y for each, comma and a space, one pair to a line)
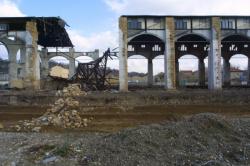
203, 139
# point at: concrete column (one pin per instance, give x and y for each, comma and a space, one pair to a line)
226, 72
150, 72
45, 63
248, 73
32, 65
202, 72
32, 68
123, 54
169, 56
72, 66
23, 61
12, 68
177, 73
214, 59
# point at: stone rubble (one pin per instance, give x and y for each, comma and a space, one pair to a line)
63, 113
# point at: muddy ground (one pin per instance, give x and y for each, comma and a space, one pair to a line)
152, 127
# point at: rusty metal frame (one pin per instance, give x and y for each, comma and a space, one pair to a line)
92, 75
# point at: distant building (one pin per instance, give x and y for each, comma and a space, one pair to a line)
188, 78
238, 77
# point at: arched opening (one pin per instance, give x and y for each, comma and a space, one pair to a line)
149, 46
113, 71
206, 70
238, 70
235, 50
83, 59
4, 67
188, 71
19, 62
137, 70
191, 51
59, 67
18, 57
158, 68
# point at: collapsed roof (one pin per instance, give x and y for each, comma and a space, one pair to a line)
51, 30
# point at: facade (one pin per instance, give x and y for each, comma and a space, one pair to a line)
215, 37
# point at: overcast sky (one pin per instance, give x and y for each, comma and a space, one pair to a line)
93, 23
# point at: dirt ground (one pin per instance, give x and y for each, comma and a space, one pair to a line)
152, 127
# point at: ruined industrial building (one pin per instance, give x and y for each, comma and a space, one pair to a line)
85, 113
215, 37
33, 37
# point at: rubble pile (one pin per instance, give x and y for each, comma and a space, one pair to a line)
63, 113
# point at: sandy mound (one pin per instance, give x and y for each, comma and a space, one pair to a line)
204, 139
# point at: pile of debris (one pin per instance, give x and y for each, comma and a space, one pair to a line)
63, 113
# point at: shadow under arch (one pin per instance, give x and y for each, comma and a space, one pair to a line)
192, 37
147, 45
192, 44
235, 44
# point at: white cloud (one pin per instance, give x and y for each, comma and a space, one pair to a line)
101, 40
180, 7
116, 5
9, 8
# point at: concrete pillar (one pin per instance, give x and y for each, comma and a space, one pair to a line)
23, 61
226, 72
32, 65
32, 68
169, 56
202, 72
214, 59
45, 63
123, 54
248, 73
177, 73
72, 66
12, 68
150, 72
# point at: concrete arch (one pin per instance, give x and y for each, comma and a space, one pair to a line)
12, 46
146, 33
